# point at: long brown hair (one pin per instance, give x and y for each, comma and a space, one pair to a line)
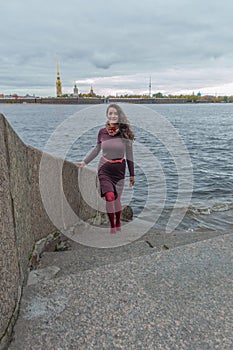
124, 125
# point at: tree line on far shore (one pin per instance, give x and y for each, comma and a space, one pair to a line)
191, 98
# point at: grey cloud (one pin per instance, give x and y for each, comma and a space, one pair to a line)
115, 38
105, 60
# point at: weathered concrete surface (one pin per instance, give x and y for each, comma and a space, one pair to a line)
113, 306
10, 275
20, 192
24, 215
81, 258
40, 275
78, 257
161, 240
174, 299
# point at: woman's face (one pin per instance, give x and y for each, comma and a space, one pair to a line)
112, 115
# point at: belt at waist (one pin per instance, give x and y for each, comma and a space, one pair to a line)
120, 160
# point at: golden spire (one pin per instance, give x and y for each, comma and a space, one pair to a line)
91, 93
58, 81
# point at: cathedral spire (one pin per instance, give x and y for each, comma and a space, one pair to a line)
58, 81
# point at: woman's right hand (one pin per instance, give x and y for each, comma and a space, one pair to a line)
80, 163
131, 181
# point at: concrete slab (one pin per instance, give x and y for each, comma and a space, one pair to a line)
99, 236
81, 257
40, 275
89, 258
174, 299
162, 240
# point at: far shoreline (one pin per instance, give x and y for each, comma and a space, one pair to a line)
93, 100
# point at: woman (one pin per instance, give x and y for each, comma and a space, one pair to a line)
115, 141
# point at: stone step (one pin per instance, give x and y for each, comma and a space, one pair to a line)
80, 257
173, 299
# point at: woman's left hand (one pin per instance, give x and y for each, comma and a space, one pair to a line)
81, 164
131, 181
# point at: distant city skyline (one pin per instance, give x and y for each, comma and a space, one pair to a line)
84, 86
117, 46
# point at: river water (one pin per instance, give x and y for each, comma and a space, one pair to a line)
204, 135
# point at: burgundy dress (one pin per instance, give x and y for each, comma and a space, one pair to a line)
112, 174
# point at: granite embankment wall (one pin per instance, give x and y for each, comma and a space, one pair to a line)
23, 219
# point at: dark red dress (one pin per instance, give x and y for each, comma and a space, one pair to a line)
112, 174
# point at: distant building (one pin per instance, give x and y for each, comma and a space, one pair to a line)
75, 90
58, 81
1, 96
30, 96
91, 93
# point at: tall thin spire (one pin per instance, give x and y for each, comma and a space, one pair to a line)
75, 89
150, 87
58, 81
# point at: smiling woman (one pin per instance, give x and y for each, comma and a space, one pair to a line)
115, 141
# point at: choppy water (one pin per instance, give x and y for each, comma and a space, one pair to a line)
207, 133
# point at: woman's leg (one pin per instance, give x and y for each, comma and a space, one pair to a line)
110, 207
118, 208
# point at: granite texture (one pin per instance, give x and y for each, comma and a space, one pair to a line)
41, 225
88, 258
10, 283
174, 299
25, 218
130, 297
20, 192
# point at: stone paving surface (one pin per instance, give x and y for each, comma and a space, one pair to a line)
179, 298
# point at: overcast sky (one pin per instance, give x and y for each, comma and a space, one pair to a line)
116, 45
